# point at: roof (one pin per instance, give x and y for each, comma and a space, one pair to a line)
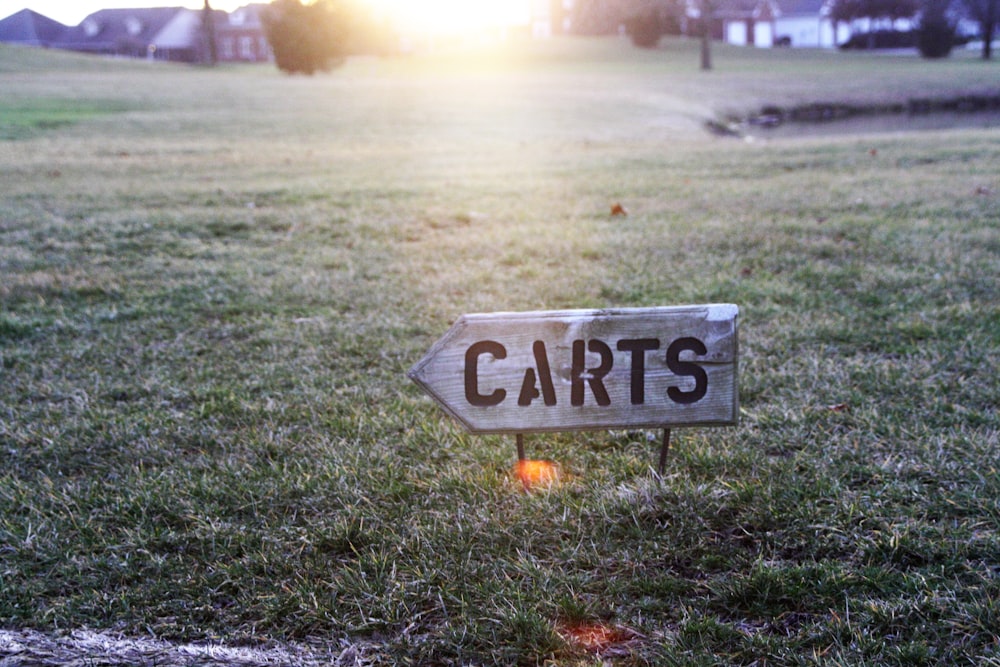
745, 9
30, 28
111, 28
802, 7
247, 16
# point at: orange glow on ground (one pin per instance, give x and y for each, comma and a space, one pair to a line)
596, 637
534, 474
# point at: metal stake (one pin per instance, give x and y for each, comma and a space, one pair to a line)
663, 450
520, 446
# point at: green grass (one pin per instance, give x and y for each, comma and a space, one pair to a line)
210, 296
24, 120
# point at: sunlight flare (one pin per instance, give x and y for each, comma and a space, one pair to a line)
450, 17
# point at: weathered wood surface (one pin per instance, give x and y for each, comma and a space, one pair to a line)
587, 369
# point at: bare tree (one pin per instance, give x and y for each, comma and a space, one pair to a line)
706, 8
208, 24
987, 14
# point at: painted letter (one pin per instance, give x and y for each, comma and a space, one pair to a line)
687, 368
638, 347
472, 355
528, 390
595, 376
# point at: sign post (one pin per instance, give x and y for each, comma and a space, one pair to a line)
587, 369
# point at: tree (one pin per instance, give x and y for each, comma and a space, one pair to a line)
208, 24
901, 9
849, 11
936, 32
306, 38
644, 29
987, 14
844, 11
706, 8
649, 21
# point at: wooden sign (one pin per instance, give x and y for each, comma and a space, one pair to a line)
587, 369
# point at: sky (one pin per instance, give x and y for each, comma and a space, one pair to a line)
417, 15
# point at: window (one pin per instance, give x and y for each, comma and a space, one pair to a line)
91, 28
133, 26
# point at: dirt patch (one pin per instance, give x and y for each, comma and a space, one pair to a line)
84, 648
973, 110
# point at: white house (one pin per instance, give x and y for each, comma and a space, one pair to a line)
767, 23
807, 23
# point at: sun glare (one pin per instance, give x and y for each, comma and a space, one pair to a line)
451, 17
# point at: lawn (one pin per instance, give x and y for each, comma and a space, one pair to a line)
213, 282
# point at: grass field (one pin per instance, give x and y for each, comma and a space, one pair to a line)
212, 283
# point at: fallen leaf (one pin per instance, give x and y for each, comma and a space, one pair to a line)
618, 209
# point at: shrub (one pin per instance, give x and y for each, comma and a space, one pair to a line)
645, 29
881, 39
935, 37
305, 38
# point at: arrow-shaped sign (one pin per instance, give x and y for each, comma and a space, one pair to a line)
587, 369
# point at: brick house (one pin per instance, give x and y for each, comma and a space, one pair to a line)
240, 37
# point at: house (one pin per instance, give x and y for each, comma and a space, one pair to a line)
746, 22
29, 28
809, 23
159, 33
766, 23
240, 36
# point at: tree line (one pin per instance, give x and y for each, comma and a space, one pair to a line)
646, 21
936, 20
307, 37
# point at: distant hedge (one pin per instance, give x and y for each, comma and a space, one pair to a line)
882, 39
938, 37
